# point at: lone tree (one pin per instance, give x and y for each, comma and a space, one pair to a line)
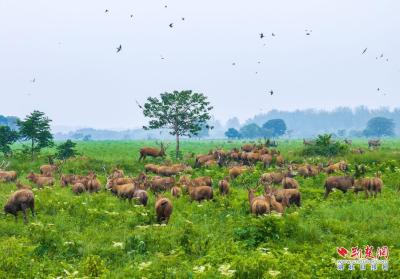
36, 129
232, 133
182, 112
7, 138
277, 127
379, 126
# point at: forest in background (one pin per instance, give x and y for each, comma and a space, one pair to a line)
300, 124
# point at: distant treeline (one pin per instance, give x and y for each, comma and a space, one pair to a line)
10, 121
300, 124
311, 122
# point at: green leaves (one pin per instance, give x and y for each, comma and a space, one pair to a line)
36, 128
66, 150
7, 138
182, 112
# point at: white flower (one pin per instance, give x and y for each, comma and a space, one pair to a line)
144, 265
118, 244
69, 243
142, 227
143, 214
225, 271
274, 273
199, 269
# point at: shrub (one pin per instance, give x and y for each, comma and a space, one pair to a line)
93, 266
324, 146
260, 230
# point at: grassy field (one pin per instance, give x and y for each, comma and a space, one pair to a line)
99, 235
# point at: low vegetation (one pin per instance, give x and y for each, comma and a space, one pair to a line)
103, 235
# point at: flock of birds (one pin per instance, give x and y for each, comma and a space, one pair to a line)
308, 32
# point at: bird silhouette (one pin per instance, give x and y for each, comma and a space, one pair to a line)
381, 55
119, 48
273, 35
165, 6
171, 25
33, 80
378, 89
233, 64
183, 18
138, 104
365, 50
131, 16
106, 11
271, 92
261, 35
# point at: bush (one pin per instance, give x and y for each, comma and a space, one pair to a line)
260, 230
66, 150
93, 266
324, 146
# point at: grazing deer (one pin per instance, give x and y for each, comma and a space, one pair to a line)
152, 152
374, 143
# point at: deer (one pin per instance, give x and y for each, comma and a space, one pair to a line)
153, 152
374, 143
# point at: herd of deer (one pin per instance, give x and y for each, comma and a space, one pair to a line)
175, 179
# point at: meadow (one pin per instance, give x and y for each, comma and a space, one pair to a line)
99, 235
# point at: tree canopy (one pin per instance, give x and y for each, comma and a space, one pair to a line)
232, 133
253, 131
7, 138
182, 112
66, 150
379, 127
36, 129
277, 127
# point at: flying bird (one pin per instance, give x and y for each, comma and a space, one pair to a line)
365, 50
165, 6
261, 35
106, 11
273, 35
381, 55
138, 104
162, 57
271, 92
131, 16
183, 18
378, 89
171, 25
119, 48
33, 80
233, 64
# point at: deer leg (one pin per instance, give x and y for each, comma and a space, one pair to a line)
23, 207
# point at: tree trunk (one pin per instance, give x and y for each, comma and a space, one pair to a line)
32, 149
177, 146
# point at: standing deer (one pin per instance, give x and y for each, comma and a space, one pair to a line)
374, 143
152, 152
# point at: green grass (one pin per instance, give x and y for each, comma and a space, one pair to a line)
88, 235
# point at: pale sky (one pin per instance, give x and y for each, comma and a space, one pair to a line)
69, 47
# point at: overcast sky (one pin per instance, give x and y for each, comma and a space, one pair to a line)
69, 48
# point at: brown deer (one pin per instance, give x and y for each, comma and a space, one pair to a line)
152, 152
